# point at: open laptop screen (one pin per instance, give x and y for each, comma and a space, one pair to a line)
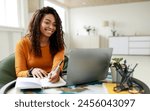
87, 65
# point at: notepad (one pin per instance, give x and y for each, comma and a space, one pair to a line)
36, 83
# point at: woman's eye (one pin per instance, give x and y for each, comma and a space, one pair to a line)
46, 22
54, 25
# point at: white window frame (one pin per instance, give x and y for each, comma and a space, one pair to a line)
22, 8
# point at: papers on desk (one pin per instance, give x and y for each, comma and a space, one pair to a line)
36, 83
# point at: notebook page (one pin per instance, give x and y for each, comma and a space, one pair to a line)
46, 84
27, 83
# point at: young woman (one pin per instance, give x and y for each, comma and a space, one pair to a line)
41, 50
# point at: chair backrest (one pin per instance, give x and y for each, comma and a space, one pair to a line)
65, 64
7, 70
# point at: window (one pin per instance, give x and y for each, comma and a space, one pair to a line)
9, 13
60, 11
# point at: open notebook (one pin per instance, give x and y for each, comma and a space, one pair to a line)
35, 83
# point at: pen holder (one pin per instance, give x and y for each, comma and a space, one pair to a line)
123, 80
116, 78
122, 74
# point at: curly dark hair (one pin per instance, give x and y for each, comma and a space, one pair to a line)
56, 40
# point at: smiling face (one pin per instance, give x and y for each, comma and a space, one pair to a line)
48, 25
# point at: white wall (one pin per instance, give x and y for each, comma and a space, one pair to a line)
131, 19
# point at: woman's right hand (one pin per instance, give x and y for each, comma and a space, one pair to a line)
39, 73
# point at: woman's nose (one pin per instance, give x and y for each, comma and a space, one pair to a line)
51, 26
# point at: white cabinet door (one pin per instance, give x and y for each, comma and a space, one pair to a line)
139, 45
139, 51
119, 45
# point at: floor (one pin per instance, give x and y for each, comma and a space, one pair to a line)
142, 71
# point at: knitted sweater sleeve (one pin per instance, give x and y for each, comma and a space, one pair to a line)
57, 58
20, 61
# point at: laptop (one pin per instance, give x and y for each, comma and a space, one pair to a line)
88, 65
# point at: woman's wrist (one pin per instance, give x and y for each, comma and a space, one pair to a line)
30, 72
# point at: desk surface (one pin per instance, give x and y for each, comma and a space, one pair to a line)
93, 88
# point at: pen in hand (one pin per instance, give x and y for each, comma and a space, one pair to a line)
53, 72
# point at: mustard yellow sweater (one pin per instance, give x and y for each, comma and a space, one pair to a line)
25, 59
